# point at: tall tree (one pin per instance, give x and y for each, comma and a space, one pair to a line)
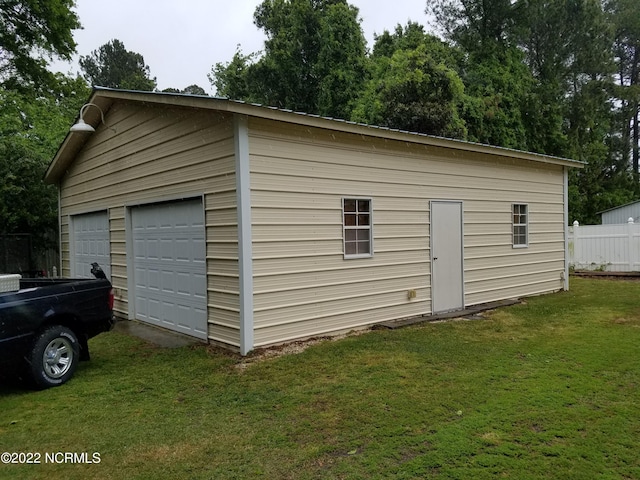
498, 90
559, 100
626, 23
412, 85
475, 25
568, 45
194, 90
33, 123
567, 48
314, 58
232, 79
30, 31
191, 90
498, 86
112, 65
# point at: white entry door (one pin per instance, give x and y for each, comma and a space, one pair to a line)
90, 243
169, 259
447, 282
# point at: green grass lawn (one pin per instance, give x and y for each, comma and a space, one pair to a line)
546, 389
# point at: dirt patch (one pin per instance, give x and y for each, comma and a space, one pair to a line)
298, 346
291, 348
633, 276
633, 321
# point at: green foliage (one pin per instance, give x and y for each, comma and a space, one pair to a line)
623, 14
194, 90
498, 88
534, 75
314, 59
112, 65
567, 45
539, 77
36, 108
32, 126
231, 80
558, 77
472, 24
411, 90
191, 90
605, 182
31, 30
410, 37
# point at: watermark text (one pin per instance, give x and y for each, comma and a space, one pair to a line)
37, 458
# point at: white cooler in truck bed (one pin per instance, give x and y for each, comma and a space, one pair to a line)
10, 283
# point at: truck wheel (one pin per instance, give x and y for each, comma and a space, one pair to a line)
54, 357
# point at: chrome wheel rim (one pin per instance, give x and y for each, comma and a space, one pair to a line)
57, 358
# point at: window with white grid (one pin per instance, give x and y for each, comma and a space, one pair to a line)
520, 225
356, 224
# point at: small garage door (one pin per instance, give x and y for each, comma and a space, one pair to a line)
90, 243
170, 266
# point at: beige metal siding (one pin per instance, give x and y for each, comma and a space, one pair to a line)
162, 153
303, 286
119, 260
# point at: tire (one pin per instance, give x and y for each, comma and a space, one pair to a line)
54, 357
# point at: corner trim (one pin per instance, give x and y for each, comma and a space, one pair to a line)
245, 251
565, 194
60, 262
131, 268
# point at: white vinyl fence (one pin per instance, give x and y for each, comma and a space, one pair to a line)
607, 248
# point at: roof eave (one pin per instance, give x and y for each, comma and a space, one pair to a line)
618, 207
74, 141
104, 97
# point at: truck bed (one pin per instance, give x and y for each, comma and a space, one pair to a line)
83, 306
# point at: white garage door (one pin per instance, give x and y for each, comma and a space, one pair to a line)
170, 266
90, 243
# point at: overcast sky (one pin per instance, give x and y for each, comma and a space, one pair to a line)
181, 40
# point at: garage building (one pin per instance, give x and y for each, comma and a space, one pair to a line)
248, 226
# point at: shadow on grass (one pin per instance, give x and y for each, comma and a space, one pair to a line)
12, 384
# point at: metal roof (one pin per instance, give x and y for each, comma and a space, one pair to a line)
618, 207
105, 97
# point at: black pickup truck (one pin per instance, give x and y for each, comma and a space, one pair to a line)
45, 326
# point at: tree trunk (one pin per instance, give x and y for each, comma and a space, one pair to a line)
635, 80
636, 138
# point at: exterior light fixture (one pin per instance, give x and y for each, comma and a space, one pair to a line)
81, 126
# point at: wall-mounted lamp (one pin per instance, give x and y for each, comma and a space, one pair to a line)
83, 127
